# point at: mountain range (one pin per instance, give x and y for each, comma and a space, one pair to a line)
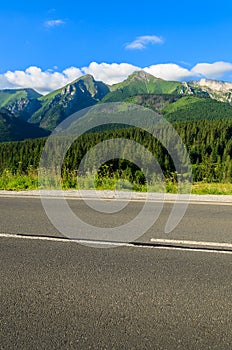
24, 113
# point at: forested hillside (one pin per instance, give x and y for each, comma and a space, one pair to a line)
12, 128
209, 144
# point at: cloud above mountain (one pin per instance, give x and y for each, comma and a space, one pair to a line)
214, 70
170, 71
42, 81
110, 73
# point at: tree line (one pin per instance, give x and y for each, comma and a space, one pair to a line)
208, 143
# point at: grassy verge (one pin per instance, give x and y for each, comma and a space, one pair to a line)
18, 182
212, 188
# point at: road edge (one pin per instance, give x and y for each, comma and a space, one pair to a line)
119, 195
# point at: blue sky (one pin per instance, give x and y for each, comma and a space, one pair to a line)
60, 40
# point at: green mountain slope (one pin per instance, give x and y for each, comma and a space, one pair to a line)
157, 102
197, 108
139, 83
21, 102
14, 129
183, 108
10, 97
60, 104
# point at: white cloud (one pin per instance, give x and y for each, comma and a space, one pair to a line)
110, 73
54, 23
71, 73
46, 81
214, 70
141, 42
4, 83
42, 81
170, 71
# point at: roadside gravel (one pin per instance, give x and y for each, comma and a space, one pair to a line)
120, 195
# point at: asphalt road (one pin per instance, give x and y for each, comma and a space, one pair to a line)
63, 295
203, 222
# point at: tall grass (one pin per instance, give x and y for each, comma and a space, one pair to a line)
18, 182
29, 181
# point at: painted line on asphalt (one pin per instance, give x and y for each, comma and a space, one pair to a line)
156, 243
189, 249
191, 243
64, 240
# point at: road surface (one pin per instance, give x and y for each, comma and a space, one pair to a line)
203, 222
57, 294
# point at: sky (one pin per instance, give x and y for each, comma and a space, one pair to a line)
47, 44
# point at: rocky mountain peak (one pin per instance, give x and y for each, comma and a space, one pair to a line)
142, 76
215, 85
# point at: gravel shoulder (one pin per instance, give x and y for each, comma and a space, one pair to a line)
105, 194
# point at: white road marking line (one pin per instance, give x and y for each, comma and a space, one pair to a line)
63, 240
85, 242
194, 250
192, 243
